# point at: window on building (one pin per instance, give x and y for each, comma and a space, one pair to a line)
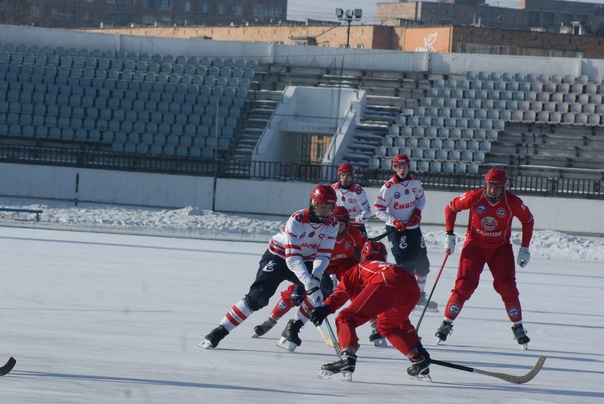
205, 8
111, 1
274, 12
238, 10
187, 6
129, 2
221, 9
150, 3
165, 4
110, 18
549, 19
533, 19
260, 11
72, 15
148, 19
566, 18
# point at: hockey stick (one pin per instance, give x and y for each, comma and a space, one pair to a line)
332, 337
421, 317
325, 336
381, 236
10, 364
503, 376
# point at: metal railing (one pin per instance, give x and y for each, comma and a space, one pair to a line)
84, 157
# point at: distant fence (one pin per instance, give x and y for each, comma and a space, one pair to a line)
85, 157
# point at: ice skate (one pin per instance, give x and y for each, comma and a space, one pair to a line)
444, 331
419, 369
289, 337
432, 306
520, 335
213, 338
377, 338
263, 328
341, 369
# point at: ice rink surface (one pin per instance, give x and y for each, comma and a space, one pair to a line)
110, 318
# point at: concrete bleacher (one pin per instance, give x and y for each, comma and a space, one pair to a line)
124, 102
463, 118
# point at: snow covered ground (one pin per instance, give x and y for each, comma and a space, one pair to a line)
106, 304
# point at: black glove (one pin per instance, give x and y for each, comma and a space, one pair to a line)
297, 295
319, 314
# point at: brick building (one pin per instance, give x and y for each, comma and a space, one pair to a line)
94, 13
536, 15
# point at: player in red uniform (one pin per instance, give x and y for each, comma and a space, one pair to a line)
299, 254
346, 248
375, 288
492, 210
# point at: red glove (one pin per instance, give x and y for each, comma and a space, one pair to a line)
400, 226
415, 218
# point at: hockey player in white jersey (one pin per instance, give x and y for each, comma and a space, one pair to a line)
399, 204
352, 196
299, 254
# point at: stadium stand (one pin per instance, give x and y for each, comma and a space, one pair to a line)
85, 96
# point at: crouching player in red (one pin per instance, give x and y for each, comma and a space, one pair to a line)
349, 242
375, 288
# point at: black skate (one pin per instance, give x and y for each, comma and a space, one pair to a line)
214, 337
377, 338
444, 331
289, 337
341, 369
520, 335
432, 306
420, 369
263, 328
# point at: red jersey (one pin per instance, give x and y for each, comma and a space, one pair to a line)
343, 256
365, 273
490, 225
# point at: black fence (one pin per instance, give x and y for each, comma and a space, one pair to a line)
86, 158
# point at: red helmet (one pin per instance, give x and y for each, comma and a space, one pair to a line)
497, 176
374, 250
323, 194
346, 168
400, 159
340, 213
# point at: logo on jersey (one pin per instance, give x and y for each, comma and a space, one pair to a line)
501, 212
301, 235
513, 312
454, 309
311, 234
480, 209
406, 192
488, 223
397, 195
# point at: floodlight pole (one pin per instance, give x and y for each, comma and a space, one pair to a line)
349, 16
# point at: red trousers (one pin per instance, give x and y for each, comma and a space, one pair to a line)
471, 263
392, 305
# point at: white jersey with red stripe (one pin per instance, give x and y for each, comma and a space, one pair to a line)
398, 199
354, 200
301, 241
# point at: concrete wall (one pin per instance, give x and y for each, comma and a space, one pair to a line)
253, 196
